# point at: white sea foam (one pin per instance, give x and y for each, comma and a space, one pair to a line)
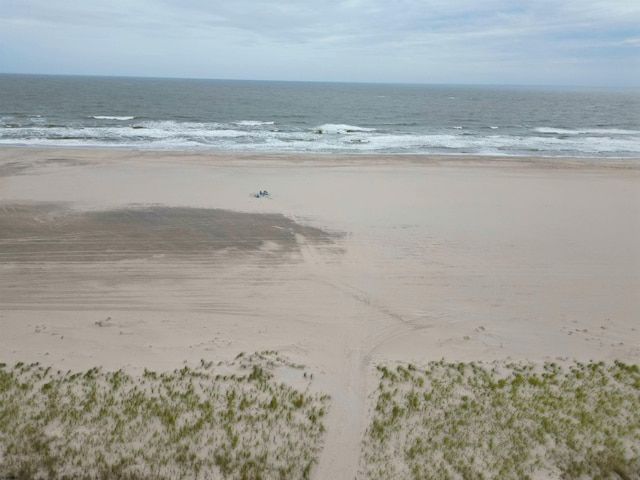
341, 128
253, 123
231, 136
586, 131
160, 129
111, 117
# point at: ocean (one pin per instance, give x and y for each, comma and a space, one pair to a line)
266, 116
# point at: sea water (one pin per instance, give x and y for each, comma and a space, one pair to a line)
265, 116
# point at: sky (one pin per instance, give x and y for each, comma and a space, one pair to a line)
537, 42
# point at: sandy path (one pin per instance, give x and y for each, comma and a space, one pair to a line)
147, 259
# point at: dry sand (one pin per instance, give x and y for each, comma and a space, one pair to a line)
128, 259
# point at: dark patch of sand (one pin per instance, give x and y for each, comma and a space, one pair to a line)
54, 232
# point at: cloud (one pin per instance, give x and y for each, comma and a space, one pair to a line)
437, 33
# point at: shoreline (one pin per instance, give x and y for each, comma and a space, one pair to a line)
632, 163
155, 260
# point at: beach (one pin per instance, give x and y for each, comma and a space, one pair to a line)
137, 260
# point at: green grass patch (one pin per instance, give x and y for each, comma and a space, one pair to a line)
507, 421
236, 423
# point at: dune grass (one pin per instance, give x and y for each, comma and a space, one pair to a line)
232, 421
514, 421
235, 421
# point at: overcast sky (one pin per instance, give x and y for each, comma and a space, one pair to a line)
542, 42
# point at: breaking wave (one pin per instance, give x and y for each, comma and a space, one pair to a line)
109, 117
257, 136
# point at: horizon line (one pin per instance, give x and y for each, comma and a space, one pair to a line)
352, 82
